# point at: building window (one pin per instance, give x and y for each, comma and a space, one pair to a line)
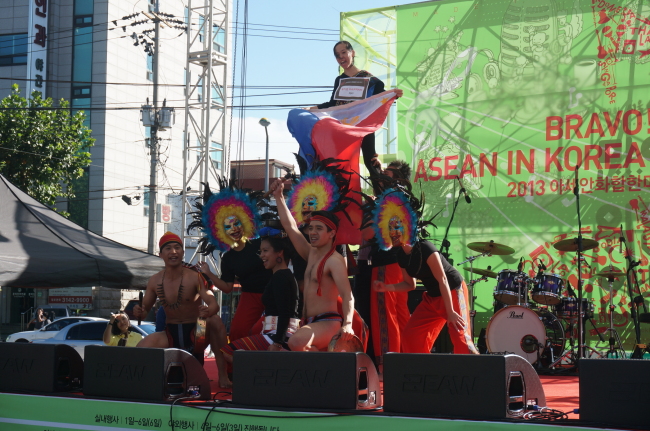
82, 58
13, 49
150, 67
216, 154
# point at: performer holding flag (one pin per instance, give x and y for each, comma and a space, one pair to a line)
355, 84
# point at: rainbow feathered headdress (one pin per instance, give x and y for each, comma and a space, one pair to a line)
326, 182
397, 201
217, 207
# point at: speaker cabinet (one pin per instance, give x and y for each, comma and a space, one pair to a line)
146, 374
28, 367
463, 386
615, 392
320, 380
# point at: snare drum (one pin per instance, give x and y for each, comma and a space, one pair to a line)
567, 308
547, 289
511, 287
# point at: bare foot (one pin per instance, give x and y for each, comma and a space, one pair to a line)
224, 381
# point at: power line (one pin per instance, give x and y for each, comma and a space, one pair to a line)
255, 87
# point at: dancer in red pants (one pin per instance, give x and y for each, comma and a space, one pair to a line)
398, 221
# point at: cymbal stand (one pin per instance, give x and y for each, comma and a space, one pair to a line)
581, 323
569, 353
633, 281
614, 338
472, 312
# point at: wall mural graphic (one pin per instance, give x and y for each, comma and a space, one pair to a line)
513, 96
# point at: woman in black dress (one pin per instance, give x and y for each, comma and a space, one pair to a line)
280, 298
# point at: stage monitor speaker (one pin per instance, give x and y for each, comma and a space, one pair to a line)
28, 367
615, 392
462, 386
319, 380
146, 374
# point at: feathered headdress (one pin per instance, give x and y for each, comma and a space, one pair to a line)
218, 209
399, 209
322, 187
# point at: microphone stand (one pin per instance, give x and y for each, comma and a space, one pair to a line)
581, 323
444, 248
632, 280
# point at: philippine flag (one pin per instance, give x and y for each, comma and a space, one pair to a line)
337, 132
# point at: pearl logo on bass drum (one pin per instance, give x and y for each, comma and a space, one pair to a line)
514, 315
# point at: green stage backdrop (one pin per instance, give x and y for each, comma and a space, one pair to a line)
513, 95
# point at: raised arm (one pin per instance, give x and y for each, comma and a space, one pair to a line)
288, 223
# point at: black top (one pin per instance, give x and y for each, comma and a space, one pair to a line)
376, 86
247, 266
380, 257
416, 266
280, 298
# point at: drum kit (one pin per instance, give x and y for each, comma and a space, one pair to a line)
536, 316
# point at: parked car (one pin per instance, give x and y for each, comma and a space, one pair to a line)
48, 331
148, 327
54, 311
82, 334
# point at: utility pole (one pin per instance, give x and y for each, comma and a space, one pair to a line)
153, 180
153, 117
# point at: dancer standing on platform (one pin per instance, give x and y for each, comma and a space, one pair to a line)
280, 298
388, 310
180, 291
325, 279
345, 57
230, 221
397, 218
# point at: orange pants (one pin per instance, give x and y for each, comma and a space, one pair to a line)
389, 311
427, 321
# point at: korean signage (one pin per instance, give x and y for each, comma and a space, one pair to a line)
538, 106
75, 297
37, 47
164, 213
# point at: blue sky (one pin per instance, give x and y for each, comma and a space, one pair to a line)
279, 56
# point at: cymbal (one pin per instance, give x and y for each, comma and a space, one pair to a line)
571, 244
611, 272
491, 248
479, 271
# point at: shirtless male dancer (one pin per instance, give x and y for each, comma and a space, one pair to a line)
326, 277
180, 293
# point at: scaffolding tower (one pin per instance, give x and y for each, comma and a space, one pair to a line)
206, 153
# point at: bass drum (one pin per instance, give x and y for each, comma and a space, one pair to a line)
524, 332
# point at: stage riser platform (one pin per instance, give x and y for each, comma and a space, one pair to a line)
44, 413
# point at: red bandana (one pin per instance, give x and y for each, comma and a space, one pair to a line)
321, 267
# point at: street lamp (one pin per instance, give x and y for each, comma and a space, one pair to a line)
266, 123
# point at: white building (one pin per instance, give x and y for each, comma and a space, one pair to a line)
94, 57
